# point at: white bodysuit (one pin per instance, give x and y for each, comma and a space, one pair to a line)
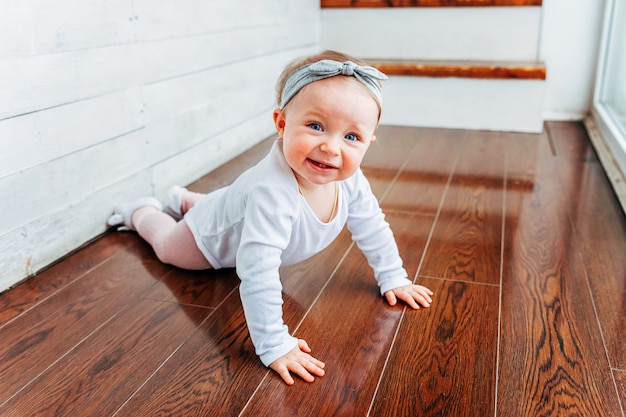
261, 222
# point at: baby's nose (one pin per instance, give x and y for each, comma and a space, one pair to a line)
331, 146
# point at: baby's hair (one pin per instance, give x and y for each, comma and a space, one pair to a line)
300, 62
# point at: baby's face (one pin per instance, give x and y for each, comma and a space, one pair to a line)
327, 128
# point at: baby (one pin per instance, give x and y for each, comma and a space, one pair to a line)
288, 207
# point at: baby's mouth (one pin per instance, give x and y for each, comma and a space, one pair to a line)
321, 164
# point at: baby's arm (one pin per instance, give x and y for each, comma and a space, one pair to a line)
266, 234
299, 362
375, 239
413, 295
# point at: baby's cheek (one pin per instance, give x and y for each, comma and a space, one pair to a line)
293, 152
353, 160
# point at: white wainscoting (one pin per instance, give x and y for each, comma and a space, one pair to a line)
106, 101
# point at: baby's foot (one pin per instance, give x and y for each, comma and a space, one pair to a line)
123, 212
174, 203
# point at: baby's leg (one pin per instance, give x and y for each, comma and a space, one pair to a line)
180, 200
172, 242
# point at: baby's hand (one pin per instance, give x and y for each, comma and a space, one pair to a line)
411, 294
300, 362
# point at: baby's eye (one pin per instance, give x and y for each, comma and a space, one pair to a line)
315, 126
352, 137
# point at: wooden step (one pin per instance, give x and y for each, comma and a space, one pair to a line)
462, 69
427, 3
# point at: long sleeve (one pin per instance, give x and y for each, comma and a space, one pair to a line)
374, 237
265, 236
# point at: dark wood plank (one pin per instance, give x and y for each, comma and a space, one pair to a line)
462, 69
600, 227
200, 288
411, 234
601, 231
212, 374
620, 379
443, 362
571, 145
552, 358
393, 146
466, 240
216, 371
427, 3
102, 372
38, 338
354, 344
227, 173
46, 283
423, 180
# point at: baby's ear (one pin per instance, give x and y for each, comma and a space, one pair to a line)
279, 121
373, 139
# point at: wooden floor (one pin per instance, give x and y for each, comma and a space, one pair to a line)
519, 235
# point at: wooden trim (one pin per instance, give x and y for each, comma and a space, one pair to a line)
426, 3
462, 69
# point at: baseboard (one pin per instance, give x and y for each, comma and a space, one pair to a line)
613, 171
560, 116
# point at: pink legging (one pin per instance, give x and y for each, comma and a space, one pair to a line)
172, 241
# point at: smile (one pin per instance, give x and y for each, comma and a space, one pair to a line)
320, 164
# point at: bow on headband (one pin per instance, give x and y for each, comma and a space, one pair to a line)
368, 76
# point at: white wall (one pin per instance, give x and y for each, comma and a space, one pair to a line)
570, 37
434, 33
108, 100
564, 34
500, 34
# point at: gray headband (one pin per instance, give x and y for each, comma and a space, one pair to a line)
368, 76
